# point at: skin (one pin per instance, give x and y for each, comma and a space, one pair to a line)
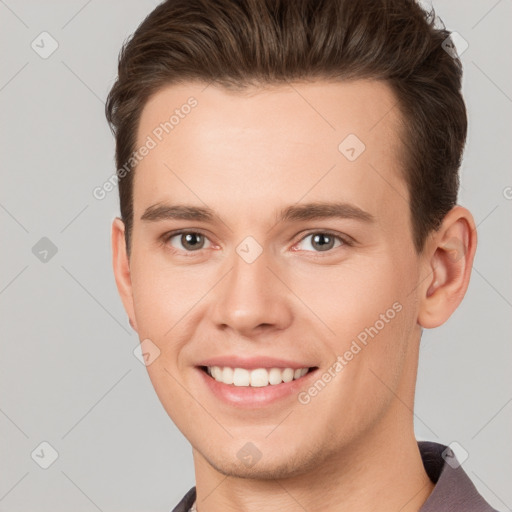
247, 156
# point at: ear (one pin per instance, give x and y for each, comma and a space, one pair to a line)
121, 265
448, 260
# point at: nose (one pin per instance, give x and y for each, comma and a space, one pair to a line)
251, 300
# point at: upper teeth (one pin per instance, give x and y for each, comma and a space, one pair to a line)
255, 378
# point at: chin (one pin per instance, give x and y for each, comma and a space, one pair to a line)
280, 467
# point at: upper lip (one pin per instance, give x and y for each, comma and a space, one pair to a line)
252, 363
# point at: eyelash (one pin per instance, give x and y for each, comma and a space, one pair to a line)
345, 241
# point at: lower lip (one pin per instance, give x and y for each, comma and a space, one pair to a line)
253, 397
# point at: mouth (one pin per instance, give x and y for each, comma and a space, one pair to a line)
256, 377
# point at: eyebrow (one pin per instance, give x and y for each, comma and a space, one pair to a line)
293, 213
159, 212
324, 210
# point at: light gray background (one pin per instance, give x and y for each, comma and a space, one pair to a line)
68, 373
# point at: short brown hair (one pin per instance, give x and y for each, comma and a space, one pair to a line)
238, 43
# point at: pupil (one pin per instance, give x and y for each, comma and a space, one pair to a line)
192, 240
324, 241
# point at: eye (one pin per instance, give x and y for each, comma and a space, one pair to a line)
188, 241
321, 241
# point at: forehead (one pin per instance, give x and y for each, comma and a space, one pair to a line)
272, 145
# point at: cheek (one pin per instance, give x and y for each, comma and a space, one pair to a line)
378, 325
163, 293
154, 301
350, 297
367, 316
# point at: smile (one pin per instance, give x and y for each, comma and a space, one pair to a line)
258, 377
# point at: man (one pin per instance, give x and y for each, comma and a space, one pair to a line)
288, 184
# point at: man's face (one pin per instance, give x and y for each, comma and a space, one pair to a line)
248, 283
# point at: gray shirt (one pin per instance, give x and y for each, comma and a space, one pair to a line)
453, 491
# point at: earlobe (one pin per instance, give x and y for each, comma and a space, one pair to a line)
449, 259
121, 266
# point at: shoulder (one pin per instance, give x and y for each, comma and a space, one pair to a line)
186, 502
453, 490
